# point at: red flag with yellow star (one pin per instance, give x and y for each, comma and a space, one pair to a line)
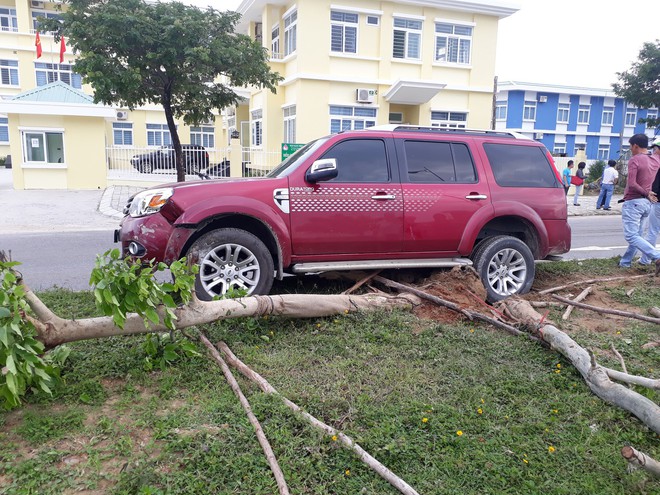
37, 43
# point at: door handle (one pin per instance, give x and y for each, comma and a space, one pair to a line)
383, 196
476, 196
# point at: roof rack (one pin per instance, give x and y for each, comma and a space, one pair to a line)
465, 131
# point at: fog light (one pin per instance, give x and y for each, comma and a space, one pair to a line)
136, 249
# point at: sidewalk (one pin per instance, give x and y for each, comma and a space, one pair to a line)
64, 210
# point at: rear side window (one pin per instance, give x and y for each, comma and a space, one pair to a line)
439, 162
520, 166
360, 160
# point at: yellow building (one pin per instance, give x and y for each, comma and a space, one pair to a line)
345, 66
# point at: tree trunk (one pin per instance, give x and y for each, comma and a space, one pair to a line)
174, 134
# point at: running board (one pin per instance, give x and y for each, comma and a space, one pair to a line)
332, 266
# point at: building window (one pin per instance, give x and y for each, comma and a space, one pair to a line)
42, 13
203, 136
449, 120
407, 38
608, 116
289, 124
257, 127
8, 20
351, 118
158, 135
4, 130
43, 147
275, 42
529, 110
603, 151
651, 114
48, 73
500, 110
290, 33
343, 32
631, 117
453, 43
579, 147
559, 149
583, 114
122, 133
9, 72
562, 113
373, 20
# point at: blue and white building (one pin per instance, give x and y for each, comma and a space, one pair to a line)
568, 119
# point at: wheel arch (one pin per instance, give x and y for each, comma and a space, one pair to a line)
514, 226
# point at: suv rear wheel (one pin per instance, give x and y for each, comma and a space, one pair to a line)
231, 259
505, 265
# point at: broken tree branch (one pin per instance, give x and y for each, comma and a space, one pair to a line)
637, 459
594, 375
592, 281
621, 360
616, 312
579, 298
261, 436
266, 387
655, 311
642, 381
361, 282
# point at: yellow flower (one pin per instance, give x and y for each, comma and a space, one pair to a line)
558, 365
551, 449
318, 325
347, 472
459, 433
555, 411
525, 461
471, 330
483, 401
480, 411
334, 438
557, 371
618, 333
345, 311
425, 420
272, 333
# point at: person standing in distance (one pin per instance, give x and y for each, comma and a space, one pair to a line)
642, 169
610, 177
654, 215
566, 176
578, 187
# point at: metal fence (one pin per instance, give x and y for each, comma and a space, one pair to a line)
258, 162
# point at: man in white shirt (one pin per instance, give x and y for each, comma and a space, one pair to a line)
610, 177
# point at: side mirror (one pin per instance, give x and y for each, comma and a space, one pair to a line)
321, 170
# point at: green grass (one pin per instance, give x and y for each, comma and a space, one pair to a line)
401, 387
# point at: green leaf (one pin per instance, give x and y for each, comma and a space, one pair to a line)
4, 312
11, 365
152, 315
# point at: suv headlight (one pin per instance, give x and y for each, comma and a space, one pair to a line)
149, 202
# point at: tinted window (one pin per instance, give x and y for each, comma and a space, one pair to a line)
520, 166
360, 160
438, 162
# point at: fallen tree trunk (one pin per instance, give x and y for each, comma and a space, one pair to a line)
595, 375
598, 309
54, 330
637, 459
591, 281
364, 456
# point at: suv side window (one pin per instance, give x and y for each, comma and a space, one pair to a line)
439, 162
520, 166
360, 160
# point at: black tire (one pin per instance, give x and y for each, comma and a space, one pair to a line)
218, 253
505, 265
146, 167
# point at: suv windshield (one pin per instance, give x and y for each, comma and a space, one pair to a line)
289, 163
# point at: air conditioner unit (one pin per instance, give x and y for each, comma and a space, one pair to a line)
538, 135
121, 114
543, 99
37, 5
363, 95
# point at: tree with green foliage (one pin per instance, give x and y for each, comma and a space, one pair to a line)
640, 85
134, 52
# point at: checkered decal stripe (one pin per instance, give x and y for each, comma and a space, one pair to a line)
345, 199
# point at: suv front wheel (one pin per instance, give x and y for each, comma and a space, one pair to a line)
231, 259
505, 265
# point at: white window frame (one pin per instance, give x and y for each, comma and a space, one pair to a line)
257, 127
348, 118
584, 112
408, 32
452, 120
289, 118
43, 132
8, 19
275, 42
344, 27
4, 129
603, 151
563, 113
608, 116
500, 110
631, 117
159, 132
369, 18
57, 72
46, 14
651, 114
123, 130
529, 111
203, 135
9, 68
559, 149
290, 21
457, 43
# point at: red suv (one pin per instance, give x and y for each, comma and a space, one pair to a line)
385, 197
